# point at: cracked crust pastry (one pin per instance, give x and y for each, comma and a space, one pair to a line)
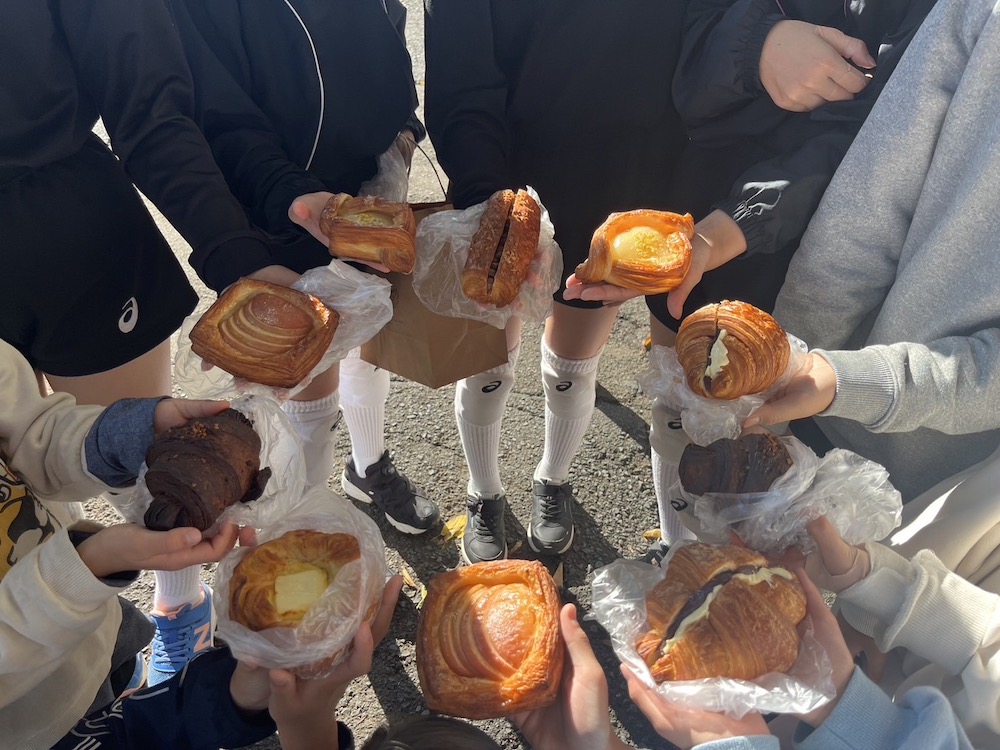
370, 229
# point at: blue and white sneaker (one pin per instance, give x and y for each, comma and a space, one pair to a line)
180, 635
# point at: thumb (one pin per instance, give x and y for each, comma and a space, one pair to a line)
577, 643
847, 47
195, 409
281, 680
299, 211
176, 540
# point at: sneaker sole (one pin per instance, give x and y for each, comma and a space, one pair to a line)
546, 550
361, 496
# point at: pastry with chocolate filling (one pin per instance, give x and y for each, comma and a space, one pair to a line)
731, 349
503, 248
750, 463
199, 469
370, 229
721, 612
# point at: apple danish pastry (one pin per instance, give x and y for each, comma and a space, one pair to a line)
265, 333
370, 229
488, 641
645, 250
730, 349
721, 612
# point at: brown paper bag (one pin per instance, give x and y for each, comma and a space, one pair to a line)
428, 348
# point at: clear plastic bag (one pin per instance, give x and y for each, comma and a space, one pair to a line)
443, 240
619, 604
392, 181
705, 419
280, 451
361, 299
322, 640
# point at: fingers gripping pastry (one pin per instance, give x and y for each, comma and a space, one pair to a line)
370, 229
645, 250
731, 349
488, 641
721, 612
265, 333
199, 469
503, 248
280, 580
750, 463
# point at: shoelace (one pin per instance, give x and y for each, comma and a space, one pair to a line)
394, 486
484, 523
174, 649
552, 505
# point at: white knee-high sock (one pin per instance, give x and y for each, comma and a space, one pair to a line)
316, 424
570, 387
174, 588
667, 440
364, 389
480, 402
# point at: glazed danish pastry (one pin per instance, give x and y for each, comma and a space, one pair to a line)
721, 612
645, 250
503, 248
730, 349
488, 641
370, 229
265, 333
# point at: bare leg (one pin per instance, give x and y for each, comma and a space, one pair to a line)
147, 376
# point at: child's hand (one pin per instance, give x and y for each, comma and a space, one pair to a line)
128, 546
173, 412
836, 565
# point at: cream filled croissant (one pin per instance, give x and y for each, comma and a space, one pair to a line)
721, 612
370, 229
488, 641
265, 333
730, 349
646, 250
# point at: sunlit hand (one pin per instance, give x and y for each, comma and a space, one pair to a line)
836, 565
717, 240
173, 412
127, 546
810, 391
803, 66
608, 294
306, 210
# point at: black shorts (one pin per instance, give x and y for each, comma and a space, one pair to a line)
90, 283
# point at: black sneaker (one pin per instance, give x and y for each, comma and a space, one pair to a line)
550, 530
656, 552
484, 538
405, 505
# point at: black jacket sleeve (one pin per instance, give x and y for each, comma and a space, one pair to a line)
466, 99
191, 711
131, 62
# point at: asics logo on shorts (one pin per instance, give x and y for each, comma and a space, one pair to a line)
564, 385
492, 386
129, 316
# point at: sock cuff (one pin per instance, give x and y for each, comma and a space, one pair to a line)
508, 366
568, 366
326, 404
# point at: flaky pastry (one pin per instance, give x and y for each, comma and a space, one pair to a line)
748, 464
721, 612
488, 641
730, 349
265, 333
370, 229
645, 250
503, 248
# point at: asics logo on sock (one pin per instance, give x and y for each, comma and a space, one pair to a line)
564, 385
678, 504
129, 316
675, 424
204, 633
492, 386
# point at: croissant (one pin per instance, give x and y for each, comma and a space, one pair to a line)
503, 248
488, 640
750, 463
199, 469
370, 229
278, 581
730, 349
721, 612
265, 333
645, 250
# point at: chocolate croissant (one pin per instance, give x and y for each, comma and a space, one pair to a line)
503, 248
370, 229
488, 640
277, 583
721, 612
265, 333
730, 349
645, 250
750, 463
199, 469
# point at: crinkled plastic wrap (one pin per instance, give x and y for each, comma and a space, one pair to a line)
280, 450
619, 604
443, 240
851, 491
361, 299
321, 641
392, 181
708, 419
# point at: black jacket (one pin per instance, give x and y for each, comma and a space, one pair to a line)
297, 97
66, 63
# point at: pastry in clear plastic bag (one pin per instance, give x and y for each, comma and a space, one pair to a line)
370, 229
749, 464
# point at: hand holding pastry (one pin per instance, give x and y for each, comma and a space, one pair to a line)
717, 240
370, 230
608, 294
173, 412
810, 391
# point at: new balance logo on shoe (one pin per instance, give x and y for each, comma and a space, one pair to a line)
564, 385
129, 316
492, 386
204, 633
